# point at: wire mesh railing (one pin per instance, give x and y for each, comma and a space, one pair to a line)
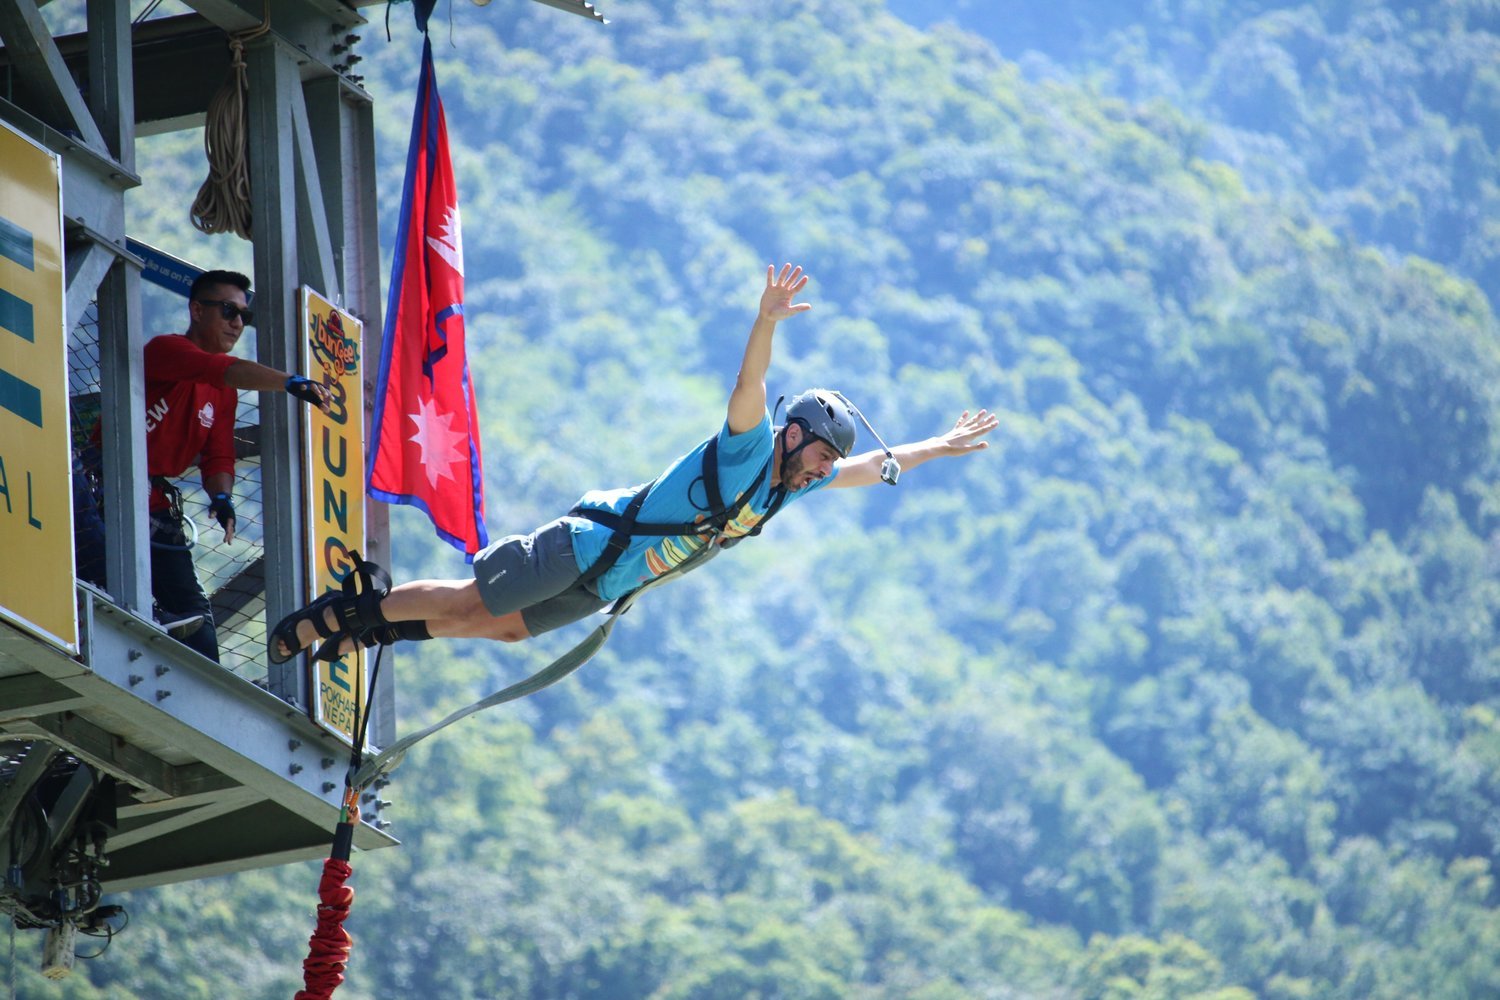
232, 574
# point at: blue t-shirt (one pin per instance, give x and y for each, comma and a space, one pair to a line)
679, 497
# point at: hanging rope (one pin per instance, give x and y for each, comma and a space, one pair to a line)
223, 202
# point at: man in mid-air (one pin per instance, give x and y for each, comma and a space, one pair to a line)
615, 541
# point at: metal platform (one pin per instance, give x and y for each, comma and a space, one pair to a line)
137, 762
211, 774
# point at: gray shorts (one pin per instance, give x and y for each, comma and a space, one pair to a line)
536, 575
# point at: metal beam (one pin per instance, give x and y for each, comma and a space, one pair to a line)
98, 747
87, 263
28, 695
159, 826
314, 248
64, 813
66, 144
180, 64
326, 121
34, 55
228, 14
122, 429
253, 837
21, 653
580, 7
274, 85
197, 785
111, 89
290, 17
143, 872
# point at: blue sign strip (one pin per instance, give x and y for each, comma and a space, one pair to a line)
171, 273
21, 398
16, 316
16, 244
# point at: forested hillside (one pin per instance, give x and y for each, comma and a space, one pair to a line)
1383, 116
1186, 688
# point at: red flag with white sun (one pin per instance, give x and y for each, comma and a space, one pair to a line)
425, 445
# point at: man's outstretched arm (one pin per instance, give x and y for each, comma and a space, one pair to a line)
246, 374
963, 439
747, 404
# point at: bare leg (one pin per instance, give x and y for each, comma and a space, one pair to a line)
451, 608
425, 600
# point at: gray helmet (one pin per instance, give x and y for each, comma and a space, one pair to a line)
827, 416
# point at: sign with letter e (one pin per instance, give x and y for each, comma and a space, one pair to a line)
331, 354
36, 500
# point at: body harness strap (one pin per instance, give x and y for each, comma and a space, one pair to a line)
171, 492
624, 526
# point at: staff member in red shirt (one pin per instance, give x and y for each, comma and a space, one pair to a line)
191, 397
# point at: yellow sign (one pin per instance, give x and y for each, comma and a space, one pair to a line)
36, 506
331, 354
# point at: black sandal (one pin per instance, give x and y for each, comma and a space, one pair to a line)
356, 608
380, 635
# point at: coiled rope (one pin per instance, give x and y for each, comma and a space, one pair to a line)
223, 202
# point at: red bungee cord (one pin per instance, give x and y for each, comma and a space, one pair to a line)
330, 945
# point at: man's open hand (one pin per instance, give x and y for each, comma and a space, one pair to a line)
965, 435
776, 301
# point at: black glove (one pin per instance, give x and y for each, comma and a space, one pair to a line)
304, 389
222, 507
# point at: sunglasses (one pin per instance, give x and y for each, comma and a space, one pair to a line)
229, 310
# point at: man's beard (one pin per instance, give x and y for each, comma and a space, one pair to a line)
797, 468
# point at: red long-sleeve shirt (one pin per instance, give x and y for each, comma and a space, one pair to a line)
189, 410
